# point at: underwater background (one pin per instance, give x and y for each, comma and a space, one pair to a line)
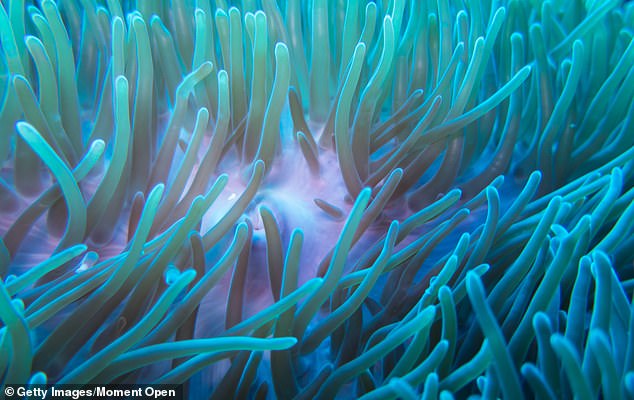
319, 199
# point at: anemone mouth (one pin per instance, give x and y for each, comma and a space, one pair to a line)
325, 200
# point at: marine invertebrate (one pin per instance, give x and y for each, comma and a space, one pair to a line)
276, 199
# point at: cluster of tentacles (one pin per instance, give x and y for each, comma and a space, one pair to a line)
319, 199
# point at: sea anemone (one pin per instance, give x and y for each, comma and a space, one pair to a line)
319, 199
